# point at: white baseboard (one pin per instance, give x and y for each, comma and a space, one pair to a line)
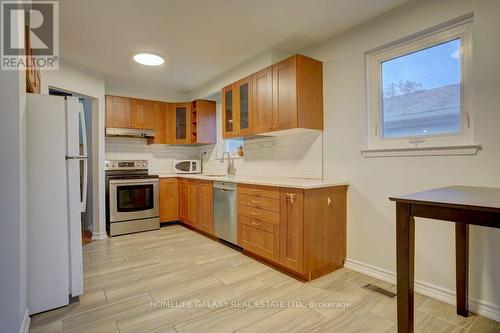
480, 307
25, 326
99, 235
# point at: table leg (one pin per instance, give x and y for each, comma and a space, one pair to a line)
462, 263
405, 256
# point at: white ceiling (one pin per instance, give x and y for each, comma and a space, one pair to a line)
200, 39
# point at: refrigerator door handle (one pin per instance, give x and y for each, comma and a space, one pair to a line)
83, 203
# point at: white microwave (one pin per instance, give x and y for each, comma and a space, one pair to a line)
187, 166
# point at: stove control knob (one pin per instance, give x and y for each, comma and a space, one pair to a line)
107, 164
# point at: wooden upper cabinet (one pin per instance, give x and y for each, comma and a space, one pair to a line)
205, 210
228, 117
263, 101
203, 125
163, 124
118, 111
298, 93
243, 104
292, 229
142, 113
169, 199
284, 95
237, 103
182, 123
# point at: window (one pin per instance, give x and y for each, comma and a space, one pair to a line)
417, 91
232, 145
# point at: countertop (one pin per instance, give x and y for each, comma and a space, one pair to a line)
301, 183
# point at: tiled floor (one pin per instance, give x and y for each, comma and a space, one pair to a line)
175, 280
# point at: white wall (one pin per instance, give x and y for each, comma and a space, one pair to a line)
244, 69
371, 216
79, 80
13, 196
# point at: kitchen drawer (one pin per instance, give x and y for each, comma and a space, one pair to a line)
259, 202
258, 237
260, 191
259, 214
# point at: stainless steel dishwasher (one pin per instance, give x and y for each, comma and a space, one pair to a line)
225, 223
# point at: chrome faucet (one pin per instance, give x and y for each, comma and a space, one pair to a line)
230, 163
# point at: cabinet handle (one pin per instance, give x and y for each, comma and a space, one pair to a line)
329, 201
291, 197
255, 223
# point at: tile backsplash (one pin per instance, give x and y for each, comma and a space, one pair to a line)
290, 154
160, 157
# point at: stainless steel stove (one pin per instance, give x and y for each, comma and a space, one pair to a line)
132, 197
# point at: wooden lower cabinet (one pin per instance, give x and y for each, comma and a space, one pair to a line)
205, 208
305, 236
169, 199
182, 200
192, 202
196, 204
292, 229
302, 231
259, 237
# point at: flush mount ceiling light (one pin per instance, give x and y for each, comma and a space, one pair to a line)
148, 59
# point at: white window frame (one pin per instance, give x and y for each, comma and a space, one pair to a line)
462, 140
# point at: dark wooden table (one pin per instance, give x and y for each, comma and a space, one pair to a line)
462, 205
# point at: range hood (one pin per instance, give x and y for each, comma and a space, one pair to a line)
129, 132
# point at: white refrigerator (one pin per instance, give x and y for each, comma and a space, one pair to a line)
57, 192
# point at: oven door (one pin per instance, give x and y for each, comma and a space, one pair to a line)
133, 199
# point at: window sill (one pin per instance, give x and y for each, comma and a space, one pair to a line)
423, 151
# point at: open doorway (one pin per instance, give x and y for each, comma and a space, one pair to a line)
87, 216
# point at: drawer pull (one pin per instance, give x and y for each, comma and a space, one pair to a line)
255, 223
255, 192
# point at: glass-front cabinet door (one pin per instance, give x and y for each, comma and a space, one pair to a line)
228, 115
182, 123
243, 89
